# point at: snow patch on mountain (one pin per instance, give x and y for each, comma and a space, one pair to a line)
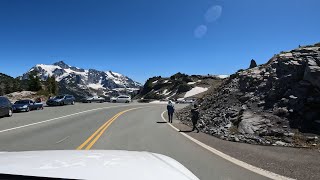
194, 91
222, 76
96, 86
47, 68
165, 91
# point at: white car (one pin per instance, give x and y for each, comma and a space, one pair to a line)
121, 99
94, 99
95, 165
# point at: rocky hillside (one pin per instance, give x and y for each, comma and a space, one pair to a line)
81, 82
277, 103
24, 95
178, 86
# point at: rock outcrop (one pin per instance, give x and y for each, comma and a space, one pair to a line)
177, 86
271, 104
253, 64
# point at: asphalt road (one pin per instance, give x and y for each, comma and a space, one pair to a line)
137, 127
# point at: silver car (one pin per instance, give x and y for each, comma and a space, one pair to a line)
94, 99
121, 99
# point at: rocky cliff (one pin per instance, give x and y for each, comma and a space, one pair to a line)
276, 103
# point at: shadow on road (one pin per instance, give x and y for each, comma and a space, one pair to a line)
161, 122
185, 131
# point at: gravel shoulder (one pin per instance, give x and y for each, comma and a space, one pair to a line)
298, 163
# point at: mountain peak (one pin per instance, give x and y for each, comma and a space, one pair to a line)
80, 81
61, 64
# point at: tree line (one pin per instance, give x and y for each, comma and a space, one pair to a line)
33, 83
9, 84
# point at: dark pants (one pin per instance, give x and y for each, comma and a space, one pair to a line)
194, 123
170, 115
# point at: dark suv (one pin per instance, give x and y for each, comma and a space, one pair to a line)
5, 107
61, 100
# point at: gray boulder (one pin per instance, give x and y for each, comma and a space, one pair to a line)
312, 73
251, 123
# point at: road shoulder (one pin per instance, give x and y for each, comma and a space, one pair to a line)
296, 163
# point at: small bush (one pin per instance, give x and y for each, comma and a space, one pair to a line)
152, 95
186, 79
178, 76
183, 88
144, 100
240, 70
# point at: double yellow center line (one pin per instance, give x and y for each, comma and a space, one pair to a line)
98, 133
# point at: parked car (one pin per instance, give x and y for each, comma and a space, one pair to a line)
61, 100
26, 105
185, 100
190, 100
5, 107
121, 99
94, 99
180, 101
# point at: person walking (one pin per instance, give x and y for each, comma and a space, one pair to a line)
170, 109
195, 117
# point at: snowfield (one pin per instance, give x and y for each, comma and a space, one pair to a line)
194, 91
222, 76
96, 86
48, 68
126, 89
160, 102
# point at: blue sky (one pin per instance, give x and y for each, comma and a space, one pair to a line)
144, 38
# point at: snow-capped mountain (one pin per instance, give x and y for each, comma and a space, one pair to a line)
74, 78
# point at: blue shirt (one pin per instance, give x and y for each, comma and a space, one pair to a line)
170, 108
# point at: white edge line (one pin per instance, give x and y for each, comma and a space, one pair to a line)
245, 165
32, 124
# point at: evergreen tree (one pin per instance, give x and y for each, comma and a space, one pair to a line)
55, 87
1, 91
9, 84
16, 85
48, 85
7, 88
52, 85
34, 81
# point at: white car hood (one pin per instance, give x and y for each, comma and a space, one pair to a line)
97, 164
